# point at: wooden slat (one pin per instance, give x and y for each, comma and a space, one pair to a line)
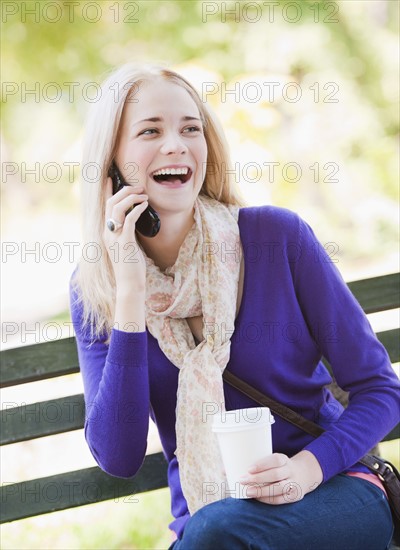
38, 362
394, 434
391, 340
59, 492
41, 419
377, 293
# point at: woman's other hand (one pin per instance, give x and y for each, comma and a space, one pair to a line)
278, 479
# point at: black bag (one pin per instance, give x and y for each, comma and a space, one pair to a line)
390, 477
384, 469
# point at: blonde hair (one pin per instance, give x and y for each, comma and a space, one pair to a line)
94, 279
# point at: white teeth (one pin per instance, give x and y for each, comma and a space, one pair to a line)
171, 171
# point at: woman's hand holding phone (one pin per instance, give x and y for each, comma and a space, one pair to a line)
126, 256
148, 223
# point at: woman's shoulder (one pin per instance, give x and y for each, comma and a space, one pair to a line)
269, 220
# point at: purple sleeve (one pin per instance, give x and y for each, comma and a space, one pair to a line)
116, 391
359, 361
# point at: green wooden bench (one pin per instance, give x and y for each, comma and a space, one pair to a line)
89, 485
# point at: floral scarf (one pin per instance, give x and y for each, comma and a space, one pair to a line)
203, 281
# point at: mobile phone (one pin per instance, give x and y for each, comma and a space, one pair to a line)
148, 223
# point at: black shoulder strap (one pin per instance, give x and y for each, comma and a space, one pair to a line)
281, 410
372, 462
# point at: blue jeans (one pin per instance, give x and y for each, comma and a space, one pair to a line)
345, 513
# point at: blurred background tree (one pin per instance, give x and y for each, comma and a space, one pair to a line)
344, 125
309, 86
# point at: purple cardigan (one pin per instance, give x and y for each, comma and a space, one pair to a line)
295, 308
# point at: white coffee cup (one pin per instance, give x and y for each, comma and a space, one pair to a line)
244, 437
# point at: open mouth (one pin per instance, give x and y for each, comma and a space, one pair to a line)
173, 175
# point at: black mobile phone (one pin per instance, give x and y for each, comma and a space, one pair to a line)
148, 223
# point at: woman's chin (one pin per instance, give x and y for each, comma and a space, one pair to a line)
174, 200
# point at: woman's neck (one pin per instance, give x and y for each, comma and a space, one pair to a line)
163, 249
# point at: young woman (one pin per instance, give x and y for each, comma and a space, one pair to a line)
158, 319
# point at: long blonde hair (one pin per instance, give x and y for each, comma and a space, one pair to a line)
94, 278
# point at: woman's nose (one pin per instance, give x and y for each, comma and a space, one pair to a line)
173, 144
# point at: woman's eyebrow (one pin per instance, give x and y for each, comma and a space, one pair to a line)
160, 119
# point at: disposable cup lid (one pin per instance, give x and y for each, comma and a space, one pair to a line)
242, 419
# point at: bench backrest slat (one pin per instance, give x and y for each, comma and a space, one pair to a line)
377, 293
391, 340
59, 492
41, 419
38, 362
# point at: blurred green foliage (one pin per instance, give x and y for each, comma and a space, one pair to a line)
341, 55
130, 525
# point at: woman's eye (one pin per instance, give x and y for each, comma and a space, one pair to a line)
148, 132
192, 129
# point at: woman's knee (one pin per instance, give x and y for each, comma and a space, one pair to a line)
214, 526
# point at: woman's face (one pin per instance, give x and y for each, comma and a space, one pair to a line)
172, 141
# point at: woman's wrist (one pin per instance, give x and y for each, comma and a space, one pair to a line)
308, 464
130, 311
128, 291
